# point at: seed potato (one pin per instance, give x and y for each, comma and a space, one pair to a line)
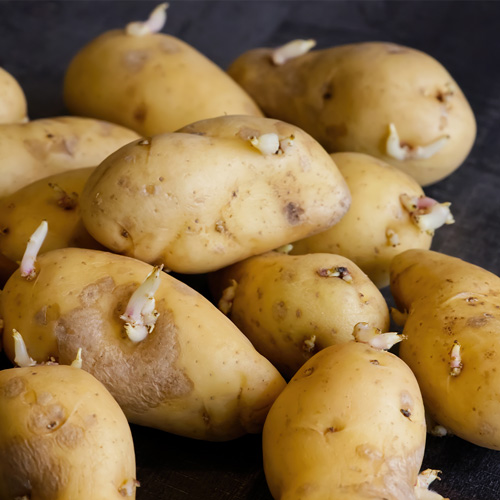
194, 374
213, 193
389, 101
62, 435
453, 344
350, 425
290, 307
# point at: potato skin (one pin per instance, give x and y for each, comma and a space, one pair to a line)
62, 435
195, 375
22, 211
350, 425
290, 308
153, 84
346, 98
209, 198
37, 149
362, 234
13, 106
450, 300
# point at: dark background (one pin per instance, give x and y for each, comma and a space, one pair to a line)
38, 39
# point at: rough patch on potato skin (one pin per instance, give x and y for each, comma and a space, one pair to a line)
139, 376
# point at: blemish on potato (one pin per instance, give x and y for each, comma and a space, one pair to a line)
366, 451
280, 310
46, 418
69, 436
140, 113
14, 387
134, 60
92, 293
293, 213
478, 321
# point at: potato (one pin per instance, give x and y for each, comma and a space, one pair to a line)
62, 436
382, 99
13, 106
350, 425
213, 193
453, 345
150, 82
54, 199
290, 307
194, 373
383, 219
37, 149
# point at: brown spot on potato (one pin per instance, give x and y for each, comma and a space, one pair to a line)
298, 313
14, 387
139, 376
293, 213
140, 113
406, 413
327, 91
478, 321
280, 310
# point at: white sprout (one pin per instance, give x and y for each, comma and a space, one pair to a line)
335, 272
291, 50
372, 336
438, 431
427, 213
267, 144
456, 364
154, 24
395, 150
21, 358
392, 237
226, 301
424, 480
127, 487
36, 240
140, 314
286, 249
77, 362
309, 344
286, 143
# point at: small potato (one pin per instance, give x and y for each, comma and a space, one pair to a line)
37, 149
54, 199
350, 425
13, 106
384, 218
62, 436
150, 82
392, 102
192, 372
215, 192
453, 345
290, 307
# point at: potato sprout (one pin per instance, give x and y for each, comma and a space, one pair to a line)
456, 364
77, 362
154, 24
32, 248
291, 50
427, 213
226, 301
21, 358
372, 336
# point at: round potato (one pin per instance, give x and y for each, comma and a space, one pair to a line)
150, 82
213, 193
62, 435
37, 149
290, 307
382, 99
384, 218
166, 354
13, 106
54, 199
350, 425
453, 344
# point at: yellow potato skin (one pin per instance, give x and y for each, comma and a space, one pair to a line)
62, 436
195, 375
153, 84
22, 211
450, 300
289, 308
346, 98
37, 149
208, 198
362, 234
13, 106
338, 431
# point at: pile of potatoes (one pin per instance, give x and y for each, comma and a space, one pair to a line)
296, 191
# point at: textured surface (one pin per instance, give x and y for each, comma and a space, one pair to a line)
38, 39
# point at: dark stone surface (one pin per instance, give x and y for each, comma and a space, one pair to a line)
38, 39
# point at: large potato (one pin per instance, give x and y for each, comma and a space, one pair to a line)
54, 199
62, 436
380, 222
13, 106
290, 307
37, 149
348, 96
195, 374
350, 425
152, 83
204, 197
453, 345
